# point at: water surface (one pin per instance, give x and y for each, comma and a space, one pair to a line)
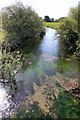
47, 62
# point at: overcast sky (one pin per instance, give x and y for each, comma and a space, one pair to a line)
52, 8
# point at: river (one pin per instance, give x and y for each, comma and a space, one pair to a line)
48, 62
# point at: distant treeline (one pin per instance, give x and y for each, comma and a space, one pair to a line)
48, 19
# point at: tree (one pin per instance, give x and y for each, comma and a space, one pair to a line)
52, 19
73, 17
62, 19
68, 32
21, 24
68, 37
56, 20
47, 19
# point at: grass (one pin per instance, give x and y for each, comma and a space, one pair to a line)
53, 25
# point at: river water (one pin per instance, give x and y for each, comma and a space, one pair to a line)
47, 62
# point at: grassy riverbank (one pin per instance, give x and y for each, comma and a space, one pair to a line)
53, 25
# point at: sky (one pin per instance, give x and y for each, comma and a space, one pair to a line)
53, 8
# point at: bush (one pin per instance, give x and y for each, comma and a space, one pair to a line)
21, 24
69, 32
68, 36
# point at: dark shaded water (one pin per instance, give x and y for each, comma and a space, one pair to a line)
47, 62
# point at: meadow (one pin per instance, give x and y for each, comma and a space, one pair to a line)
53, 25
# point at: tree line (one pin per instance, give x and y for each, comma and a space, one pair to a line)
48, 19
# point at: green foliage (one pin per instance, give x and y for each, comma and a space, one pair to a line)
22, 24
48, 116
52, 19
68, 67
62, 65
66, 106
32, 113
68, 36
69, 32
73, 16
0, 21
9, 65
62, 19
47, 19
41, 73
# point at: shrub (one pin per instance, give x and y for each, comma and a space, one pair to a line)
22, 24
68, 36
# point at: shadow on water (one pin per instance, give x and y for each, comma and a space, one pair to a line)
47, 62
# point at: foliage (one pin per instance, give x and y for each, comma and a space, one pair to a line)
48, 116
21, 24
47, 19
73, 16
0, 20
32, 113
69, 33
62, 19
68, 67
10, 63
66, 106
52, 19
41, 73
68, 36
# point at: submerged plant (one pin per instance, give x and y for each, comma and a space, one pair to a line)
32, 113
66, 106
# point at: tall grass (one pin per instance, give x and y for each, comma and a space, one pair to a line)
53, 25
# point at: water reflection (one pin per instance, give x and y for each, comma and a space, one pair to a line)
49, 45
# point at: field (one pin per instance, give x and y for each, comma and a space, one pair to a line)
53, 25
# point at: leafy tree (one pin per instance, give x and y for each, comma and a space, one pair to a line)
62, 19
69, 32
47, 19
52, 19
73, 17
56, 20
68, 36
21, 24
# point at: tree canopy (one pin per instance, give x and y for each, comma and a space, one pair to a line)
20, 24
68, 32
47, 19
